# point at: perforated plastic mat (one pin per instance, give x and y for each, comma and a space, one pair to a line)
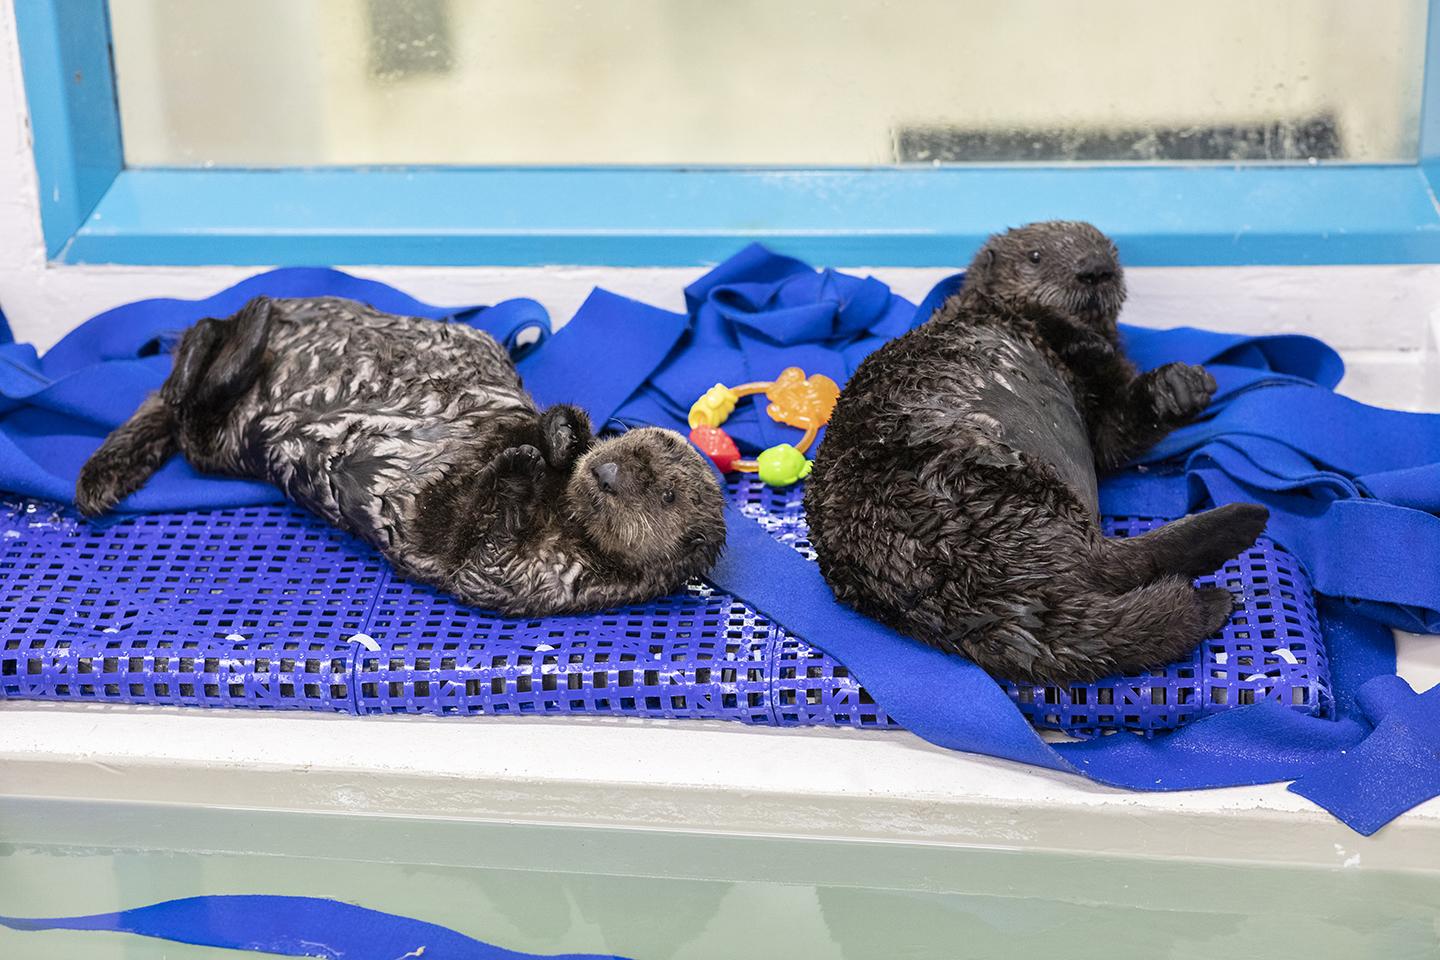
269, 608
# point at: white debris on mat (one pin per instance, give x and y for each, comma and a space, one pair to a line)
366, 641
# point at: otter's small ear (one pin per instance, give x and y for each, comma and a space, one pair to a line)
983, 264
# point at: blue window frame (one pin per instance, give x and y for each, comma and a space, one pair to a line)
96, 210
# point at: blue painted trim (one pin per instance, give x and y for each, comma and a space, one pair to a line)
1430, 99
69, 81
880, 217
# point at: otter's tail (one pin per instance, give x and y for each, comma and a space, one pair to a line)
1133, 606
215, 363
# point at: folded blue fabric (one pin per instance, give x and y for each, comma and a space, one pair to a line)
1350, 487
749, 318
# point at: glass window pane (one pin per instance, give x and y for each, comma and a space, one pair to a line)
843, 82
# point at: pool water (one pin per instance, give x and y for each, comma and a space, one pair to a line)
650, 895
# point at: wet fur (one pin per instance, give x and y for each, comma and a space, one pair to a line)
418, 436
954, 496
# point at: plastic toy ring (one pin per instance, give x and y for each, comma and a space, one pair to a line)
795, 400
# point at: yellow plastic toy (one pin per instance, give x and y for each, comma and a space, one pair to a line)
795, 400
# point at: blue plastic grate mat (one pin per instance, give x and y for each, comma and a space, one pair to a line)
269, 608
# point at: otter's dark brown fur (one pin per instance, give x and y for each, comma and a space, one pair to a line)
417, 436
954, 496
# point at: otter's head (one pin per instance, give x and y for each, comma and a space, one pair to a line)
647, 499
1067, 265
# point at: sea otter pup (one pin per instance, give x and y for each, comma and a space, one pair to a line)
417, 436
954, 496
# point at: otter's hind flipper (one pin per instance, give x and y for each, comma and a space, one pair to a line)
192, 356
1133, 606
218, 360
1191, 547
1098, 634
127, 458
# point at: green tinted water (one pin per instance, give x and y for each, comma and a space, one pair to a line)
656, 896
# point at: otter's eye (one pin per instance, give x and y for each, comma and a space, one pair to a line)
668, 496
1034, 256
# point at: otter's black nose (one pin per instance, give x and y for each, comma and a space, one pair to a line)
607, 476
1095, 269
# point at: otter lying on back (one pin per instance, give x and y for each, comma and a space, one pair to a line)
417, 436
954, 496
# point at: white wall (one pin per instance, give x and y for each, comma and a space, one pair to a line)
1380, 317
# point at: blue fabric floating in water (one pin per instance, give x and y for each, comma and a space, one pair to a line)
292, 927
1351, 490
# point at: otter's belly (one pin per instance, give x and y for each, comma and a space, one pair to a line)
1024, 403
359, 453
328, 350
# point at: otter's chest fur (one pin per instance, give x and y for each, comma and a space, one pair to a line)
969, 391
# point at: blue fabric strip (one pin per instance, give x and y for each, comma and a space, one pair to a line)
601, 372
953, 703
1391, 770
1350, 489
291, 927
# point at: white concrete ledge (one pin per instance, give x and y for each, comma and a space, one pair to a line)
714, 778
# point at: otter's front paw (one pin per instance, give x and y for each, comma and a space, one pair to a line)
1088, 353
567, 434
518, 483
1178, 392
520, 463
1081, 348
